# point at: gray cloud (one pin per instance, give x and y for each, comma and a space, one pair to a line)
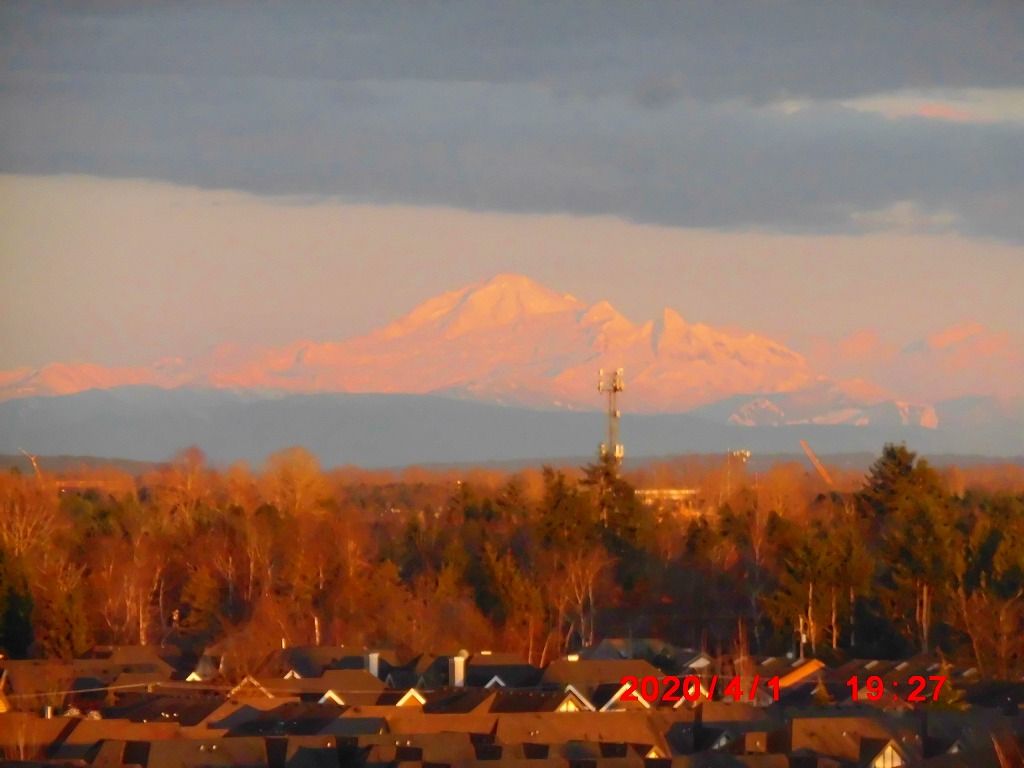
652, 111
756, 49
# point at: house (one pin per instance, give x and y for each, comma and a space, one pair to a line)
199, 753
343, 686
445, 748
304, 661
662, 654
490, 670
585, 676
209, 667
458, 700
611, 697
619, 727
289, 718
26, 735
860, 741
181, 708
157, 659
557, 701
413, 720
81, 737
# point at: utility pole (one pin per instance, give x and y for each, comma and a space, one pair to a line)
614, 384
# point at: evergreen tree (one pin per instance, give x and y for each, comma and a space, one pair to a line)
201, 599
16, 608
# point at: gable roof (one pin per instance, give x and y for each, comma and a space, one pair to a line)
519, 675
585, 674
507, 701
454, 700
344, 681
608, 697
250, 686
845, 738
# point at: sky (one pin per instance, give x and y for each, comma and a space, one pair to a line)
844, 177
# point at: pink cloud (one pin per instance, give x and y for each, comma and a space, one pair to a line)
955, 334
937, 110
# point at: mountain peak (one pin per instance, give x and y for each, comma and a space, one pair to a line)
514, 281
498, 301
672, 319
523, 289
504, 299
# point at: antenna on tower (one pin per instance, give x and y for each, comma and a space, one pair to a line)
614, 384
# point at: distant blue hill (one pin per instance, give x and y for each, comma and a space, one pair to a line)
376, 430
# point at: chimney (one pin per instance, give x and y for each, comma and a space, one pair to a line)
457, 671
48, 712
373, 663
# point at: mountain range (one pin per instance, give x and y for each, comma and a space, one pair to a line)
505, 342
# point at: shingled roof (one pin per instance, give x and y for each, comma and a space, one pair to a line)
585, 675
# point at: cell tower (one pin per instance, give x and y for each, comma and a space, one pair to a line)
612, 386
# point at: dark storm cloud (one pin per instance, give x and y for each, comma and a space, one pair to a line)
658, 112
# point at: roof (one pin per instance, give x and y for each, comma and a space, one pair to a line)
314, 660
845, 738
630, 648
414, 720
155, 707
196, 753
294, 717
29, 730
441, 747
83, 735
455, 700
519, 675
305, 751
991, 693
587, 674
164, 656
233, 712
610, 695
506, 701
340, 681
23, 676
557, 728
355, 726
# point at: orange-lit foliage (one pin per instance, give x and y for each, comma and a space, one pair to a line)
533, 561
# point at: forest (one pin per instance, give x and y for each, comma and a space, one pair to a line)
901, 560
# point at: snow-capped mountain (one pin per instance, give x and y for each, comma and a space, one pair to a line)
511, 340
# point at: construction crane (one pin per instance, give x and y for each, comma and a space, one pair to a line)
35, 464
816, 463
612, 386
